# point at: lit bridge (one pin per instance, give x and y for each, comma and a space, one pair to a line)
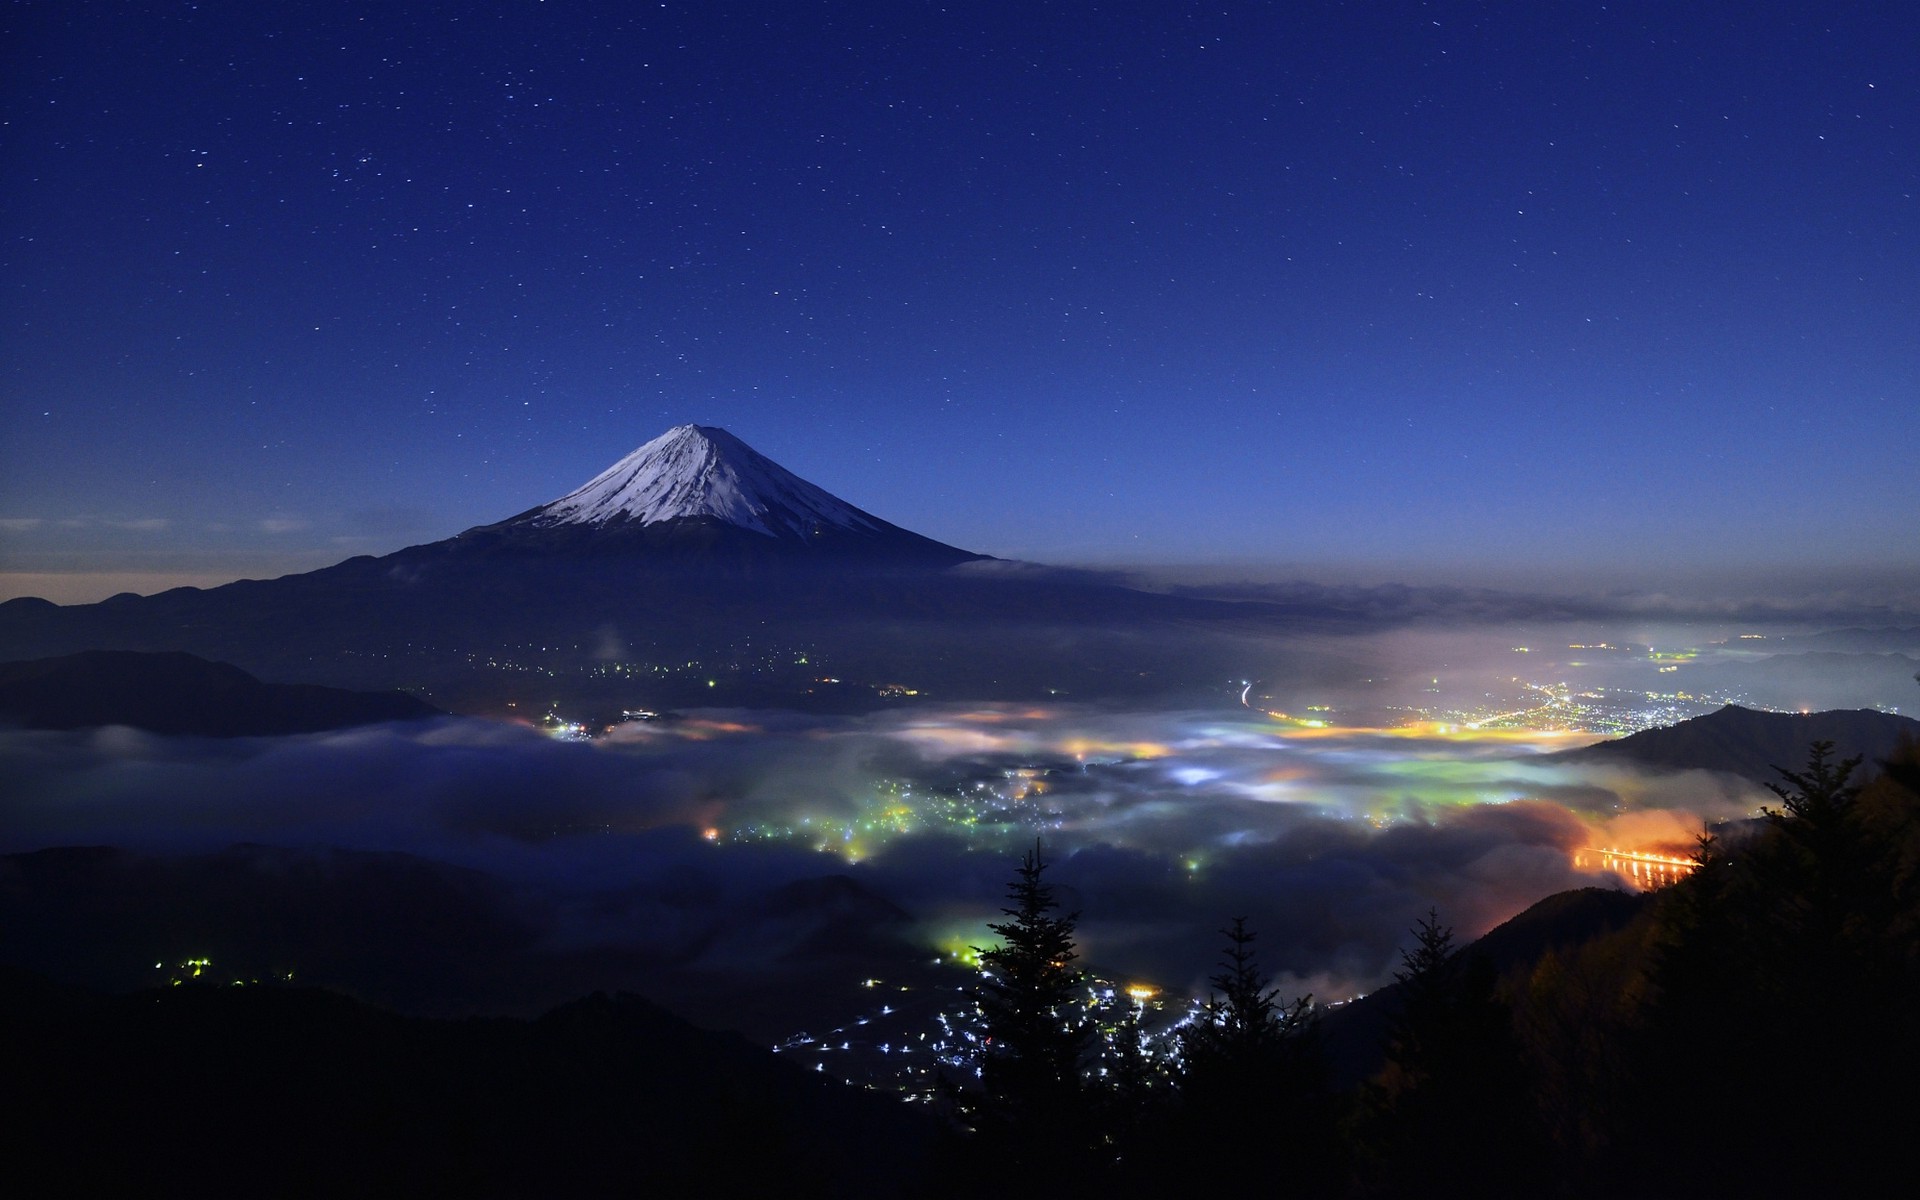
1647, 870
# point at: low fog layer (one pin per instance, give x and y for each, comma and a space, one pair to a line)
1161, 824
1331, 794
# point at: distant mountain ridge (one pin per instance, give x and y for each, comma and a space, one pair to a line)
1746, 742
1811, 680
178, 693
694, 570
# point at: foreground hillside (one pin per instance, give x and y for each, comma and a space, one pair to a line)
227, 1090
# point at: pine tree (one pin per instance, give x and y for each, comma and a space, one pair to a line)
1821, 793
1455, 1088
1245, 1010
1242, 1024
1254, 1082
1036, 1109
1428, 995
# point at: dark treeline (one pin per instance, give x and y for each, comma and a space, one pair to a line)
212, 1090
1750, 1031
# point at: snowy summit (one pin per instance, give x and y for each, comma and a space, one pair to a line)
695, 489
699, 471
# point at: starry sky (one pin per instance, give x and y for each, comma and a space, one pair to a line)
1409, 289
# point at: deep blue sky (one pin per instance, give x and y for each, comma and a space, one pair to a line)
1391, 287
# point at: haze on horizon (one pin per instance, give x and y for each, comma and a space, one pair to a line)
1833, 591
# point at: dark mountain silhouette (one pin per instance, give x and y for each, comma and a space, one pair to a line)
1852, 640
1741, 741
177, 693
693, 571
232, 1090
399, 930
1559, 921
1356, 1033
1813, 680
430, 938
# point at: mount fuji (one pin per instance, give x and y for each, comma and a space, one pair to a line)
693, 570
698, 490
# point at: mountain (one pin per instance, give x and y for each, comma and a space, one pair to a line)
1741, 741
203, 1090
1884, 640
693, 571
700, 490
432, 938
180, 694
1816, 679
1356, 1033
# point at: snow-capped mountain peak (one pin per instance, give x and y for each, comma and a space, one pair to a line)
695, 471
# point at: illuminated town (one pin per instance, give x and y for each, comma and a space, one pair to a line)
915, 1040
1003, 774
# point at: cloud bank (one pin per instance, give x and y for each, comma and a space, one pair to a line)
1161, 824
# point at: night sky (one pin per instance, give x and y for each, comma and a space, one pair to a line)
1402, 288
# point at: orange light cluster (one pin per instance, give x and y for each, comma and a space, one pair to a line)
1642, 867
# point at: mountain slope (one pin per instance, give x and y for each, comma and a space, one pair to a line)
695, 570
702, 492
210, 1091
1356, 1033
1741, 741
692, 471
180, 694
